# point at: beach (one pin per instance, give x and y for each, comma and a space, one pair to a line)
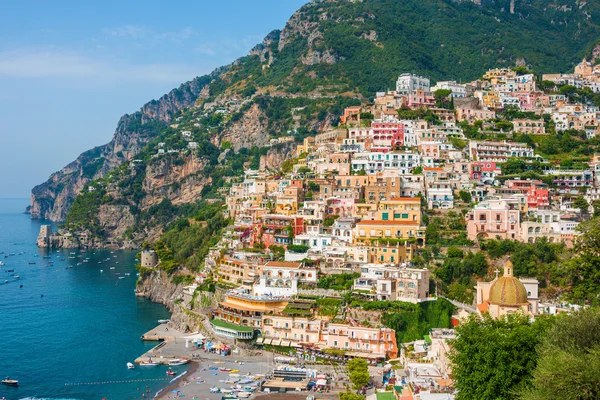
200, 378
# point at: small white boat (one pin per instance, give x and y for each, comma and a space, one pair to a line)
178, 361
121, 277
16, 277
130, 365
10, 382
1, 264
149, 363
163, 321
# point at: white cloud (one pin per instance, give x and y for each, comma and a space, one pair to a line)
32, 64
143, 34
128, 31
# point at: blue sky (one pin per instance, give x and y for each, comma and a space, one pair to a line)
70, 69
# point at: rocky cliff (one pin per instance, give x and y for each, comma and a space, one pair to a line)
52, 199
333, 49
158, 287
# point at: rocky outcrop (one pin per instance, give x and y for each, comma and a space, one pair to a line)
115, 219
52, 199
158, 287
55, 240
250, 130
317, 57
277, 155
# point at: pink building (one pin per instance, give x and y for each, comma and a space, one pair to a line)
421, 98
483, 171
537, 197
495, 218
387, 134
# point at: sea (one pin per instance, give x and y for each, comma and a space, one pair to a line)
69, 327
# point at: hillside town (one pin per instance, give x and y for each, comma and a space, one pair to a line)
352, 209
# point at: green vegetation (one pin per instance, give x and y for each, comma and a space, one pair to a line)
581, 272
550, 358
568, 364
338, 281
185, 243
358, 371
494, 359
411, 321
329, 307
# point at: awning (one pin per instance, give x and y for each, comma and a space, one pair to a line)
259, 340
321, 382
296, 345
267, 341
285, 343
276, 342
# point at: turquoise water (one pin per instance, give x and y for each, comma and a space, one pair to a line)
84, 329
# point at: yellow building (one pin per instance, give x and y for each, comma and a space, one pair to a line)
248, 310
368, 232
400, 209
391, 254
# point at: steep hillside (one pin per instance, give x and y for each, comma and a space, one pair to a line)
335, 50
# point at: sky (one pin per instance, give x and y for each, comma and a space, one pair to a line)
70, 69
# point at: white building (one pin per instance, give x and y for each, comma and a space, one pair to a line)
458, 90
406, 83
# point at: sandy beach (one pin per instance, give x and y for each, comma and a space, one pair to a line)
199, 379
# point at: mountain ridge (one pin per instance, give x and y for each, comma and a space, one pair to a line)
331, 48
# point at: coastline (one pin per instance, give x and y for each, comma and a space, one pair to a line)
162, 393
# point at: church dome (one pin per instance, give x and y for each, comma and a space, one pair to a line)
508, 290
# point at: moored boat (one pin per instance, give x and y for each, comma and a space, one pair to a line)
178, 361
130, 365
149, 363
9, 382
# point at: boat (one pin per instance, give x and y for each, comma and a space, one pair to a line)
170, 372
9, 382
16, 277
225, 369
10, 270
130, 365
121, 277
178, 361
1, 263
149, 363
6, 281
31, 262
163, 321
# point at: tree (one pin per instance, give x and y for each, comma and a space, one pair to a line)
350, 396
358, 371
465, 196
569, 359
442, 97
581, 204
494, 359
582, 272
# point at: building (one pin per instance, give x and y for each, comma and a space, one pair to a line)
508, 295
498, 151
458, 90
494, 218
529, 126
406, 83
